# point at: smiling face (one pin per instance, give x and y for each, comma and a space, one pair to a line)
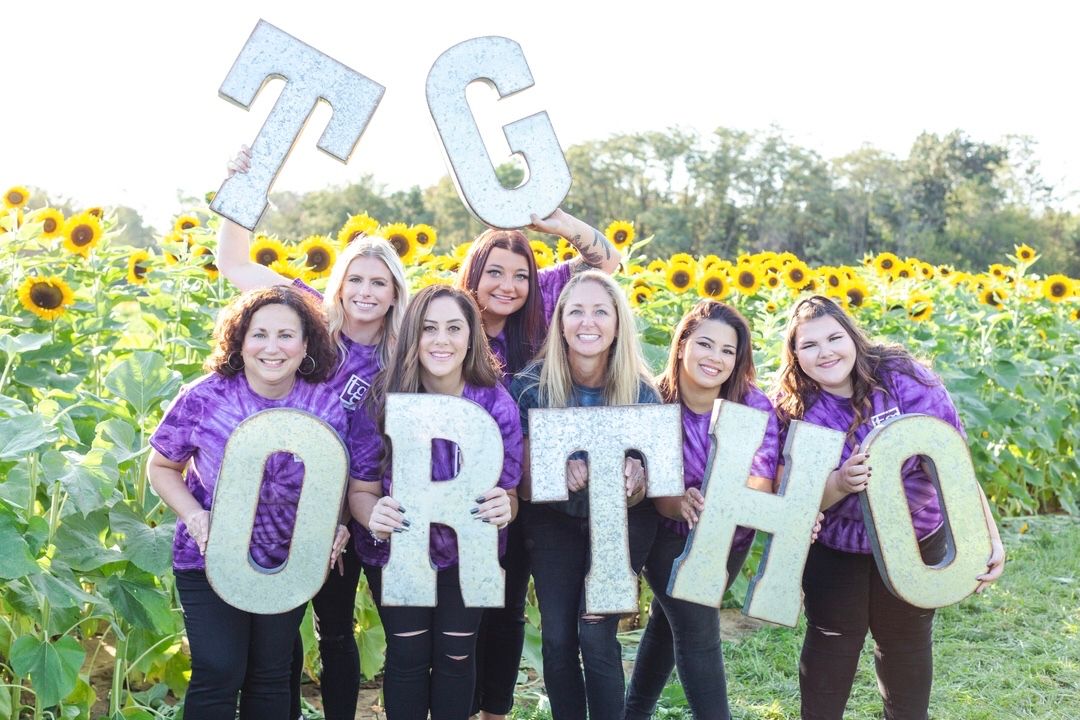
504, 284
589, 322
367, 293
708, 356
826, 353
273, 348
444, 340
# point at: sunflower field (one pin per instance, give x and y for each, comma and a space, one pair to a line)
97, 337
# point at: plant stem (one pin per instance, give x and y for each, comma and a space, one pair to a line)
118, 676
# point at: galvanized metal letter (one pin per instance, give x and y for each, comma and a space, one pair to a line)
888, 517
810, 454
499, 62
606, 434
412, 422
229, 567
309, 76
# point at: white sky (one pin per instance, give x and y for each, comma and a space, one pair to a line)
116, 102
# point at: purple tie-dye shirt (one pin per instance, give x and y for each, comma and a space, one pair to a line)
196, 427
551, 280
445, 465
697, 444
843, 528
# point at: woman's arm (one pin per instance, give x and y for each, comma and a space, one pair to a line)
233, 257
596, 251
381, 514
995, 565
166, 478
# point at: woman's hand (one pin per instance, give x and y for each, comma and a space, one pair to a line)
577, 475
341, 543
634, 473
387, 517
493, 507
817, 527
995, 566
693, 503
198, 527
241, 163
854, 474
557, 223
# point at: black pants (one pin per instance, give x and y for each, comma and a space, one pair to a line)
845, 597
430, 663
683, 634
234, 652
502, 630
559, 549
334, 607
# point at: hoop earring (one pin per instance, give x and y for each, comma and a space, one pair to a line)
230, 361
300, 368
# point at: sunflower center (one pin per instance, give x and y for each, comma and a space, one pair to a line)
834, 281
620, 236
15, 197
680, 278
49, 225
886, 264
266, 256
82, 235
714, 286
139, 270
318, 259
855, 296
422, 238
1058, 289
46, 296
187, 225
746, 279
401, 245
797, 275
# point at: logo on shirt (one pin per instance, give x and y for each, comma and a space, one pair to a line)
883, 416
354, 392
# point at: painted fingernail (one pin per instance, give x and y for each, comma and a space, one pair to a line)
406, 523
485, 520
401, 508
480, 499
399, 529
474, 511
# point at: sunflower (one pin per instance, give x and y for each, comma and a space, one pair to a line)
96, 212
714, 284
137, 267
682, 259
746, 278
46, 297
286, 269
362, 224
834, 281
903, 271
641, 295
771, 307
16, 197
565, 251
543, 254
267, 251
1001, 272
886, 264
432, 278
1024, 253
620, 234
634, 269
207, 260
857, 291
52, 222
185, 223
1075, 314
174, 243
709, 261
319, 255
1056, 288
920, 306
925, 270
658, 266
426, 237
401, 237
81, 233
772, 280
992, 296
795, 275
945, 271
679, 278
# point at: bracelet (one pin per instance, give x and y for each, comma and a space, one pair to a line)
375, 537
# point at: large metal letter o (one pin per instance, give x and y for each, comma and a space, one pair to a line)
887, 516
229, 567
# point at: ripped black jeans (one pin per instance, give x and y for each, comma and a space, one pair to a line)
433, 669
844, 597
558, 547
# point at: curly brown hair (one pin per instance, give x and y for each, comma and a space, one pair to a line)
795, 391
235, 319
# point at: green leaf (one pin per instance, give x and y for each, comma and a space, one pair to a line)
20, 436
26, 342
39, 376
119, 437
138, 601
143, 380
53, 668
16, 560
59, 585
1007, 374
88, 479
148, 548
78, 541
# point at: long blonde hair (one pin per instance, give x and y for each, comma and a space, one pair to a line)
376, 247
626, 367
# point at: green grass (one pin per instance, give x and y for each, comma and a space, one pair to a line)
1012, 652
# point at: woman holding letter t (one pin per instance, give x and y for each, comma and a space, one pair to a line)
833, 376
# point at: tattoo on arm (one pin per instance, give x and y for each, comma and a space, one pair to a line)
597, 251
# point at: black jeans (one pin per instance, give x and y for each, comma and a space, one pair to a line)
502, 630
235, 652
334, 607
429, 653
844, 597
679, 634
559, 549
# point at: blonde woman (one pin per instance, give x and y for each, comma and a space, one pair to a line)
591, 357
